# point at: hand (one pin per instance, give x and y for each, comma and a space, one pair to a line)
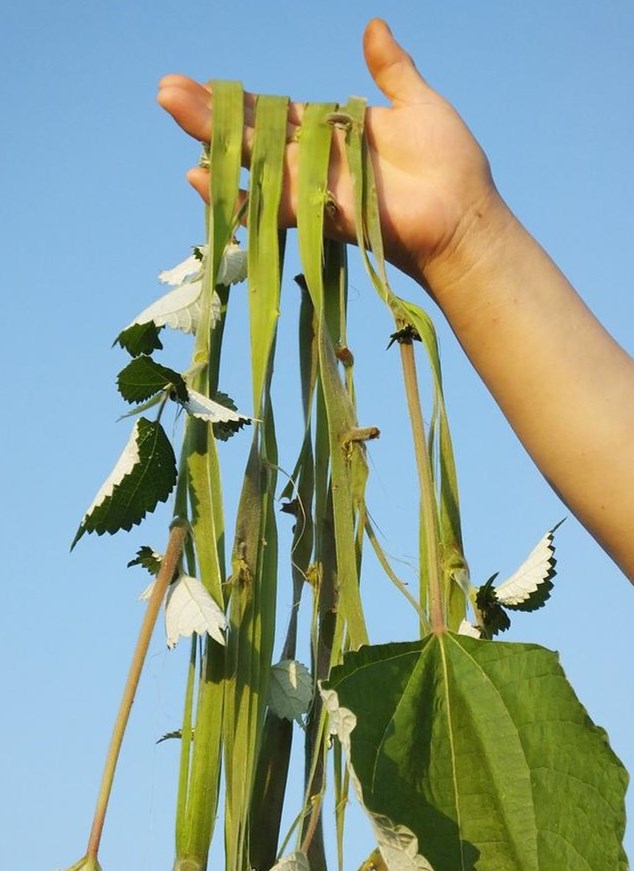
432, 178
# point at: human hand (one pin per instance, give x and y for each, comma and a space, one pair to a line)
433, 180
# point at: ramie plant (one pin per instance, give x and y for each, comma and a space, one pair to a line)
465, 753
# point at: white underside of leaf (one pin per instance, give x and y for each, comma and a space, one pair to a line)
233, 266
183, 270
398, 844
526, 580
469, 629
180, 309
189, 608
290, 690
206, 409
292, 862
126, 462
147, 592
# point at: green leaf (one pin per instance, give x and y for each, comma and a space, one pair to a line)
290, 690
224, 429
148, 558
144, 475
170, 736
497, 763
140, 339
143, 377
494, 617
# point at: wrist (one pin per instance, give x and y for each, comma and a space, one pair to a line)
461, 274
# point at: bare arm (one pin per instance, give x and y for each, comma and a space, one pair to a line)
563, 383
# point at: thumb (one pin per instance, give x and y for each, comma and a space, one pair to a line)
390, 66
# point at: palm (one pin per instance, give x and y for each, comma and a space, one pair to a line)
430, 172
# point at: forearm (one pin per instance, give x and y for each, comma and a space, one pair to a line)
566, 387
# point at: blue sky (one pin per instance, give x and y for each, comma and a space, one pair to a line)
94, 205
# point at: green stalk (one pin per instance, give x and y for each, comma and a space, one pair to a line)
313, 198
449, 556
426, 484
254, 578
204, 765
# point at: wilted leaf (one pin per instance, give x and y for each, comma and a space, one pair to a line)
527, 589
397, 843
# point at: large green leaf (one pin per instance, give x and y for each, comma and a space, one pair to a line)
483, 751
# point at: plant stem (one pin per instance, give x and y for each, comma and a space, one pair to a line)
169, 564
423, 466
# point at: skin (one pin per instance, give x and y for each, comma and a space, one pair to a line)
529, 335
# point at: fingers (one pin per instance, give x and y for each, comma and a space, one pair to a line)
390, 66
189, 104
199, 180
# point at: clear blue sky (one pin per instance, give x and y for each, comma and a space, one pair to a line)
94, 204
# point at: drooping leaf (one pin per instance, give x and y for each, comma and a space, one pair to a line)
224, 429
497, 763
178, 309
398, 845
232, 269
189, 608
290, 690
144, 475
527, 589
188, 269
143, 377
148, 558
170, 736
494, 618
204, 408
140, 338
